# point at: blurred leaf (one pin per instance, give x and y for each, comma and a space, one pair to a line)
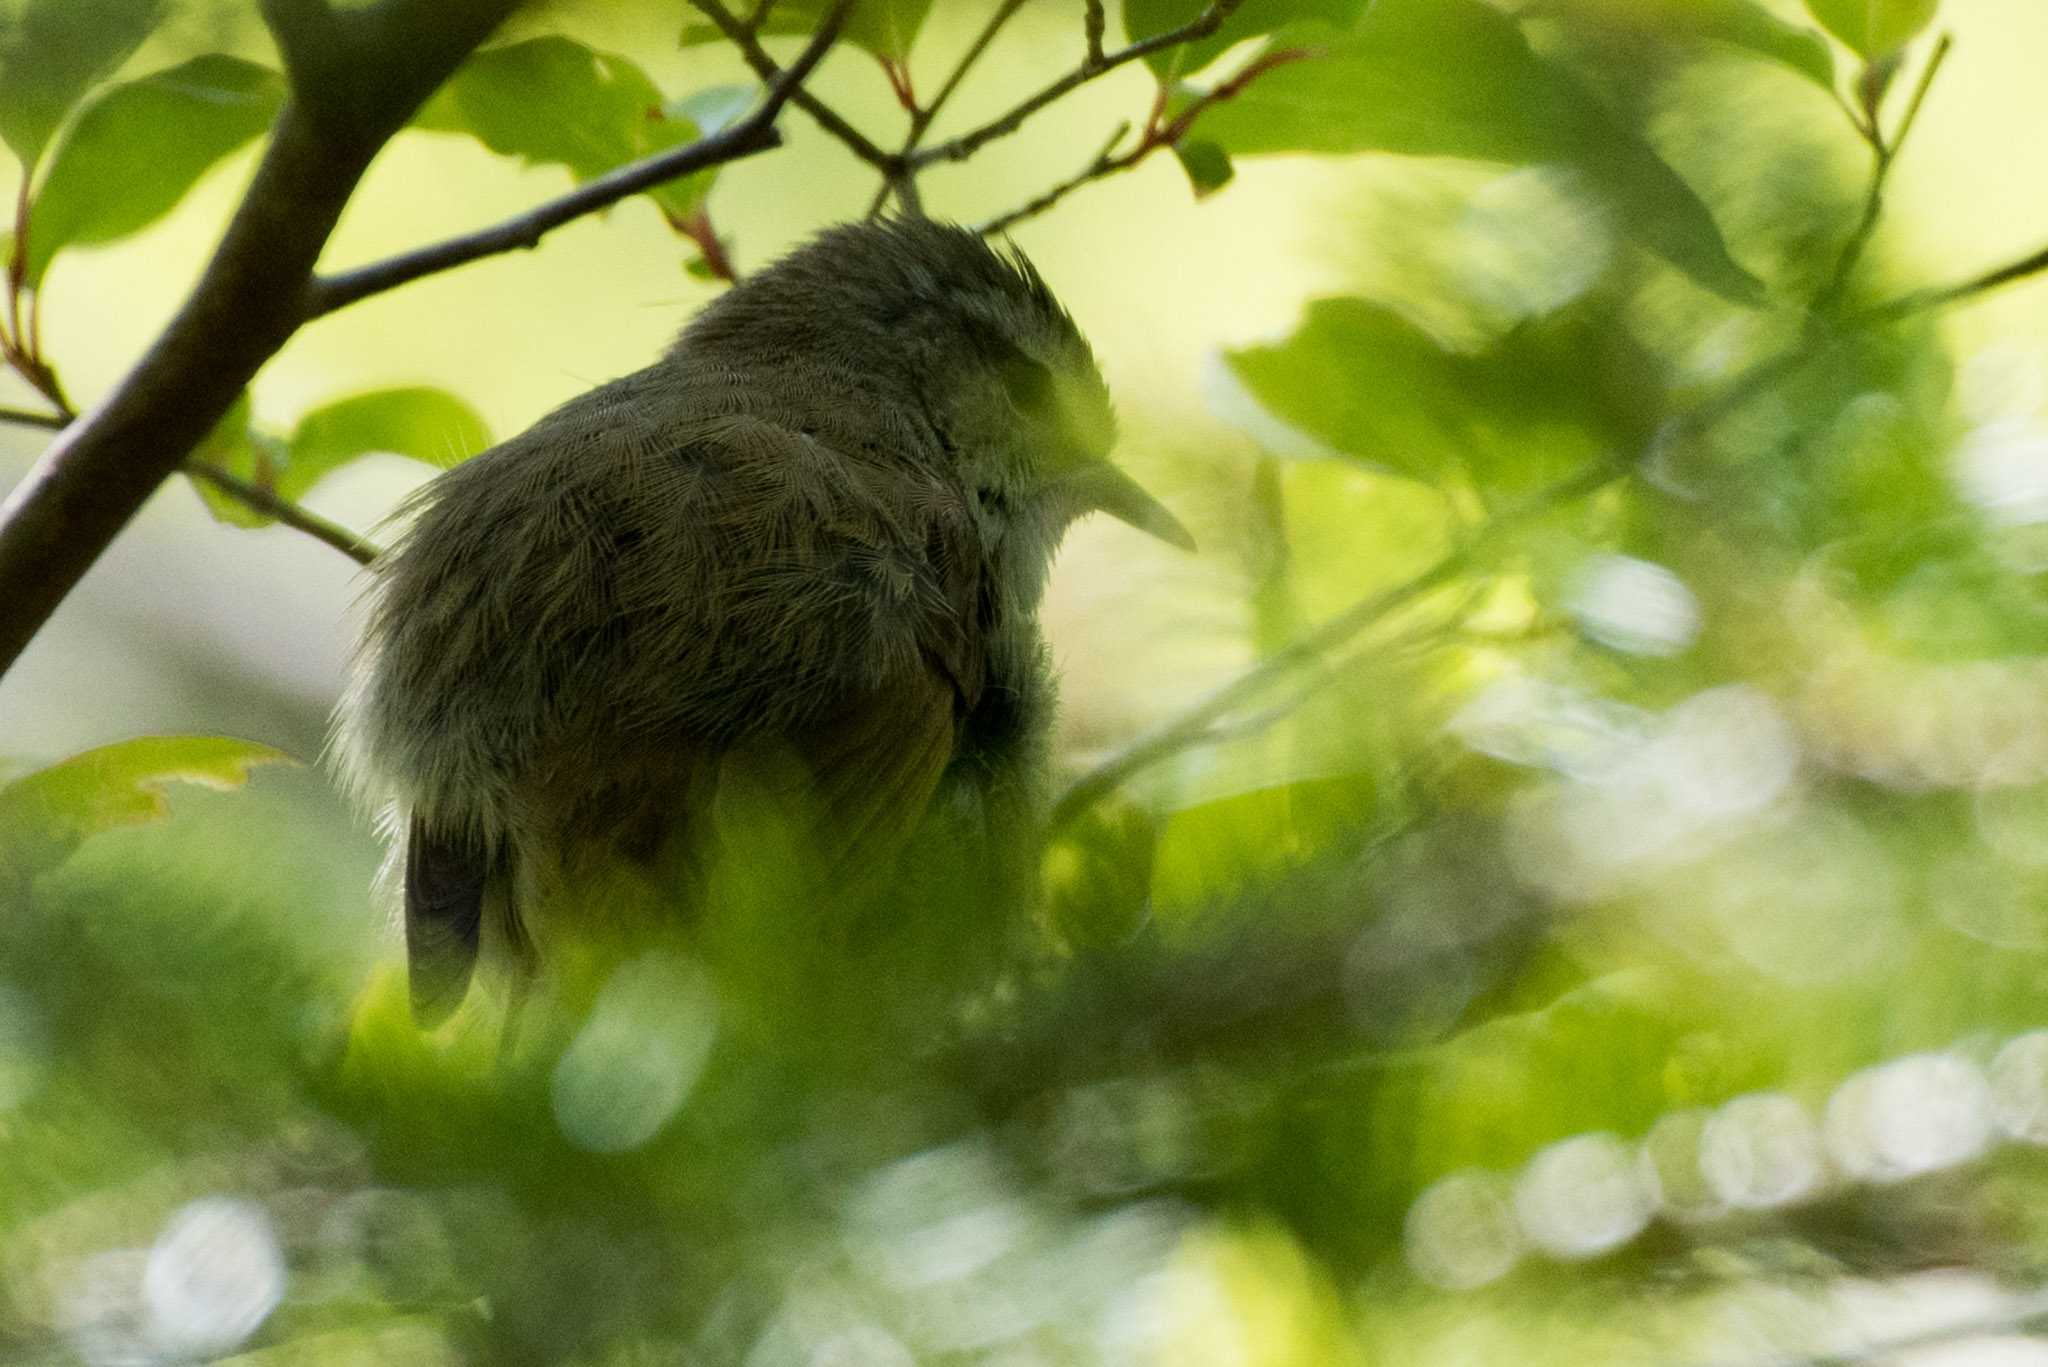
1210, 852
1737, 23
714, 108
1385, 86
555, 102
887, 28
1874, 28
46, 815
1365, 381
429, 425
1208, 166
51, 52
138, 148
1149, 18
238, 448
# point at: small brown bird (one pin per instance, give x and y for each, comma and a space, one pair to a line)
811, 540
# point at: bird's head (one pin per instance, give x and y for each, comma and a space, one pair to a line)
975, 336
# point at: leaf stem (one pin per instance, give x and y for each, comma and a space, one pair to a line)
283, 511
1885, 154
1092, 66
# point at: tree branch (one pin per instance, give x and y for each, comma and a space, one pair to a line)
1194, 726
902, 180
357, 76
1920, 301
100, 469
743, 38
1885, 154
326, 294
1157, 135
1092, 66
755, 133
26, 417
284, 512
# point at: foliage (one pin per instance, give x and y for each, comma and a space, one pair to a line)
1609, 905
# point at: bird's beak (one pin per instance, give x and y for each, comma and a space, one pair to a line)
1102, 486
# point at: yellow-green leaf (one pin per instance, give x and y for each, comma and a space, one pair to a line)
49, 813
1874, 28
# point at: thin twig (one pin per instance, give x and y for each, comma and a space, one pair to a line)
1156, 136
284, 512
755, 133
1920, 301
901, 181
764, 66
1197, 723
1096, 23
1106, 163
921, 122
25, 417
1885, 154
1092, 66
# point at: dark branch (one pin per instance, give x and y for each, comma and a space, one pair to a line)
328, 293
25, 417
283, 511
743, 38
1157, 135
1092, 66
357, 76
755, 133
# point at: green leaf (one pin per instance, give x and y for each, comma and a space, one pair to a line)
49, 813
714, 108
886, 28
1150, 18
429, 425
1208, 852
1208, 166
1385, 86
137, 148
1360, 379
1740, 24
1875, 29
238, 448
51, 52
555, 102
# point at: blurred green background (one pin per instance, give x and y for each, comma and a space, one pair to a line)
1623, 944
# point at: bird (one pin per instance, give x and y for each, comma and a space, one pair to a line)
801, 553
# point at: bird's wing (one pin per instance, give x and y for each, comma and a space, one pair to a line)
637, 575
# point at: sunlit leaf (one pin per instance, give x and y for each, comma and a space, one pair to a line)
1385, 86
1151, 18
47, 814
1874, 28
429, 425
137, 148
1741, 24
555, 102
51, 52
887, 28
